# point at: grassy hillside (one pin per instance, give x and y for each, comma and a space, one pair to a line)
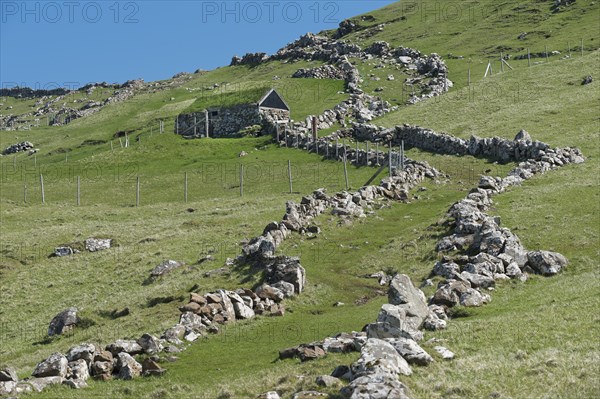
534, 340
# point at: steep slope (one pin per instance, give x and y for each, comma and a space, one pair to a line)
536, 335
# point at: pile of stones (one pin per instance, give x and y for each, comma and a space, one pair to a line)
322, 72
90, 244
18, 147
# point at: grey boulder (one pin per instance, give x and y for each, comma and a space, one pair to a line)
129, 368
546, 262
54, 366
63, 322
378, 356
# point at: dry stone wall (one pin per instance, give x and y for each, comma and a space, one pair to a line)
479, 252
521, 149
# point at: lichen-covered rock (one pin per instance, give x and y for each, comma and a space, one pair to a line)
410, 351
375, 386
54, 366
404, 294
123, 345
63, 322
165, 267
82, 351
8, 374
379, 356
150, 344
97, 244
128, 367
546, 262
78, 370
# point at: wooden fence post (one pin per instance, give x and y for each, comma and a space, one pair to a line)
390, 158
501, 63
336, 149
356, 158
469, 76
206, 123
346, 170
528, 57
25, 192
377, 153
185, 187
367, 157
241, 180
137, 191
42, 188
290, 176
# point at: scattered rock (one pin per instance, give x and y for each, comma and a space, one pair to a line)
8, 374
310, 352
546, 262
165, 267
445, 353
327, 381
151, 368
269, 395
63, 322
97, 244
309, 395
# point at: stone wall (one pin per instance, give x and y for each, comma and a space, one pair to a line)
230, 121
522, 148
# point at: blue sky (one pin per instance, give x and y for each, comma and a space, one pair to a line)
45, 44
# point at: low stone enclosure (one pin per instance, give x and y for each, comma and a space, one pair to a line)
431, 70
487, 252
430, 75
217, 122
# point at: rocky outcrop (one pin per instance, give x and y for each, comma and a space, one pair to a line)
322, 72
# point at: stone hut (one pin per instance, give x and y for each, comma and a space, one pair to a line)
228, 121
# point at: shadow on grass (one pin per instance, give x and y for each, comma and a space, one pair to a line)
162, 300
114, 314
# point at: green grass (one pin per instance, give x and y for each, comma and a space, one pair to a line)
534, 340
